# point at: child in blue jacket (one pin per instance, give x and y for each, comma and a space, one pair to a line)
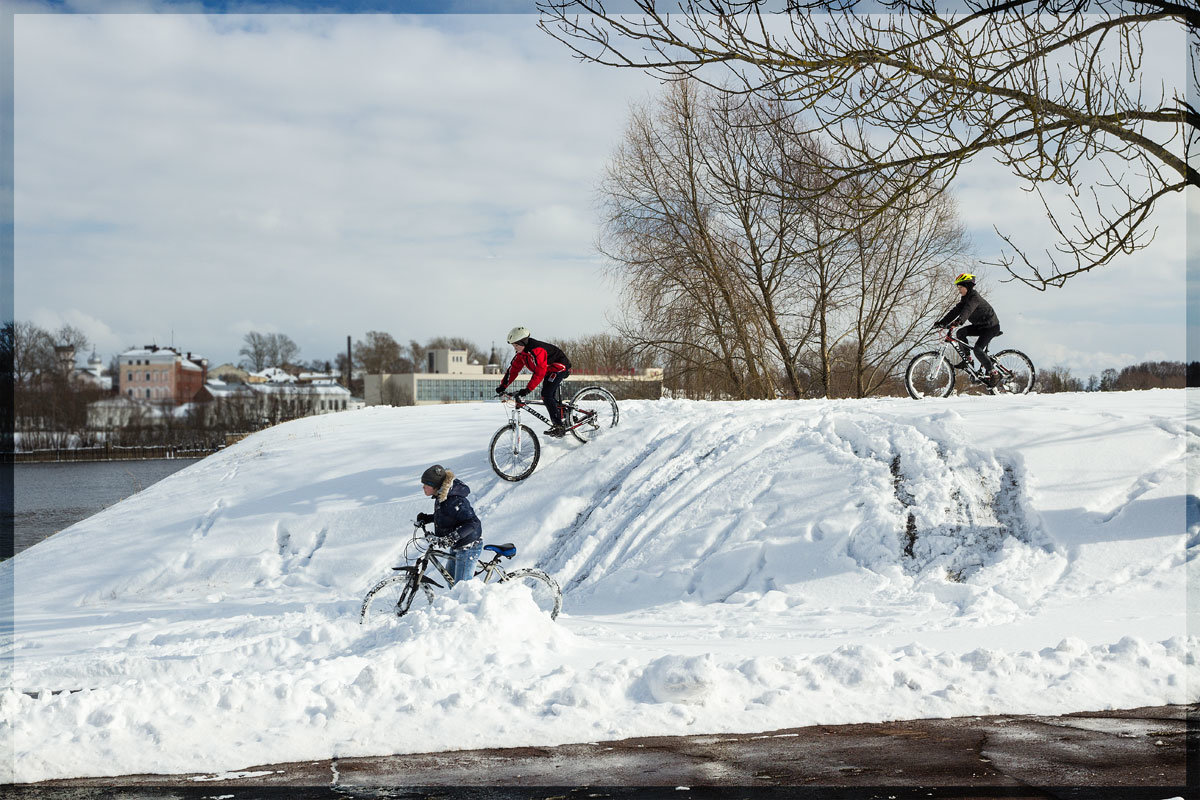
453, 519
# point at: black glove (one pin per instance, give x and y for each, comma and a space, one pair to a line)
500, 389
520, 392
424, 519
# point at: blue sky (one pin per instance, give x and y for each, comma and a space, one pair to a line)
191, 177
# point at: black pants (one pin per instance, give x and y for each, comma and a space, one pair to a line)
550, 395
985, 333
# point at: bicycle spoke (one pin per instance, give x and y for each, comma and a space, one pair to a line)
929, 375
591, 412
1017, 372
514, 452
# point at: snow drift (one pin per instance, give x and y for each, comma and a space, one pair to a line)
726, 567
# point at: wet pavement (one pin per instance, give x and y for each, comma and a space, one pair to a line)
1139, 753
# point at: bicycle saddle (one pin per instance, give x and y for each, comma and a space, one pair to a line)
508, 549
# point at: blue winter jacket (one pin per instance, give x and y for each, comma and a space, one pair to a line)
453, 516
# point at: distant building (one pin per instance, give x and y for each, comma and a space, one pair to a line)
118, 412
271, 375
93, 374
161, 375
451, 379
270, 402
229, 373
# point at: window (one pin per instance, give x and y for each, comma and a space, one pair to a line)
147, 393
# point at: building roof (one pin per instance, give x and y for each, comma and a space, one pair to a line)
219, 388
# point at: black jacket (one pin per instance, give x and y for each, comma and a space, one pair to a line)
971, 308
453, 516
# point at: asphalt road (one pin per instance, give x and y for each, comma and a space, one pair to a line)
1135, 754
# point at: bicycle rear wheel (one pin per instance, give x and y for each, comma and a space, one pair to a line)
514, 452
394, 596
1017, 374
545, 589
593, 410
929, 375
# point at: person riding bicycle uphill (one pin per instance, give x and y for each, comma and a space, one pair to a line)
984, 324
453, 518
550, 367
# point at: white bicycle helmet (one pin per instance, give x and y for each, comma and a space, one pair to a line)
517, 334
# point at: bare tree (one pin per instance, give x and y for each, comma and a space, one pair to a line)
256, 351
72, 337
670, 236
283, 349
379, 353
745, 289
605, 354
902, 257
1056, 90
32, 352
262, 350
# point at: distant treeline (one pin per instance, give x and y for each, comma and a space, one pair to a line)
1147, 375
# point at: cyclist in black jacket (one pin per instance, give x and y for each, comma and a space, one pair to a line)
550, 367
983, 323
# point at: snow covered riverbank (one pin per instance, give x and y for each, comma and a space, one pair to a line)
726, 567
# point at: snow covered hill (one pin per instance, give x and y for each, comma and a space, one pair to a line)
726, 567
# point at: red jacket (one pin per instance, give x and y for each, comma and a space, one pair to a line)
539, 358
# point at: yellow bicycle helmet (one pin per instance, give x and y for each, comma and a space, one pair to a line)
965, 279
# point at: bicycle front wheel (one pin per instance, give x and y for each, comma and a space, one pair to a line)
593, 410
514, 452
546, 593
394, 595
1017, 374
929, 375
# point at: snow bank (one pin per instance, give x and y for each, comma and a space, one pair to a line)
726, 567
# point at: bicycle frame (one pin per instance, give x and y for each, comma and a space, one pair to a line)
438, 558
396, 594
519, 404
950, 343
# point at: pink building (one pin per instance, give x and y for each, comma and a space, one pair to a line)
161, 375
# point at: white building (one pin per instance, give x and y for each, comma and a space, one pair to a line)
451, 379
280, 399
93, 374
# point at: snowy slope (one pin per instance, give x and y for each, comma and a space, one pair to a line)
726, 567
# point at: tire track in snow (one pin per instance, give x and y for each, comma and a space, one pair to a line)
659, 462
668, 480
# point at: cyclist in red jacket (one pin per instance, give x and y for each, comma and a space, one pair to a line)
550, 367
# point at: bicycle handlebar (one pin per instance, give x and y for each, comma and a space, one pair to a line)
433, 538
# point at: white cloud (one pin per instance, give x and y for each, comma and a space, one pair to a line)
322, 176
321, 168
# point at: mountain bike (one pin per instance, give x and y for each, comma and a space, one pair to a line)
515, 448
413, 583
933, 373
